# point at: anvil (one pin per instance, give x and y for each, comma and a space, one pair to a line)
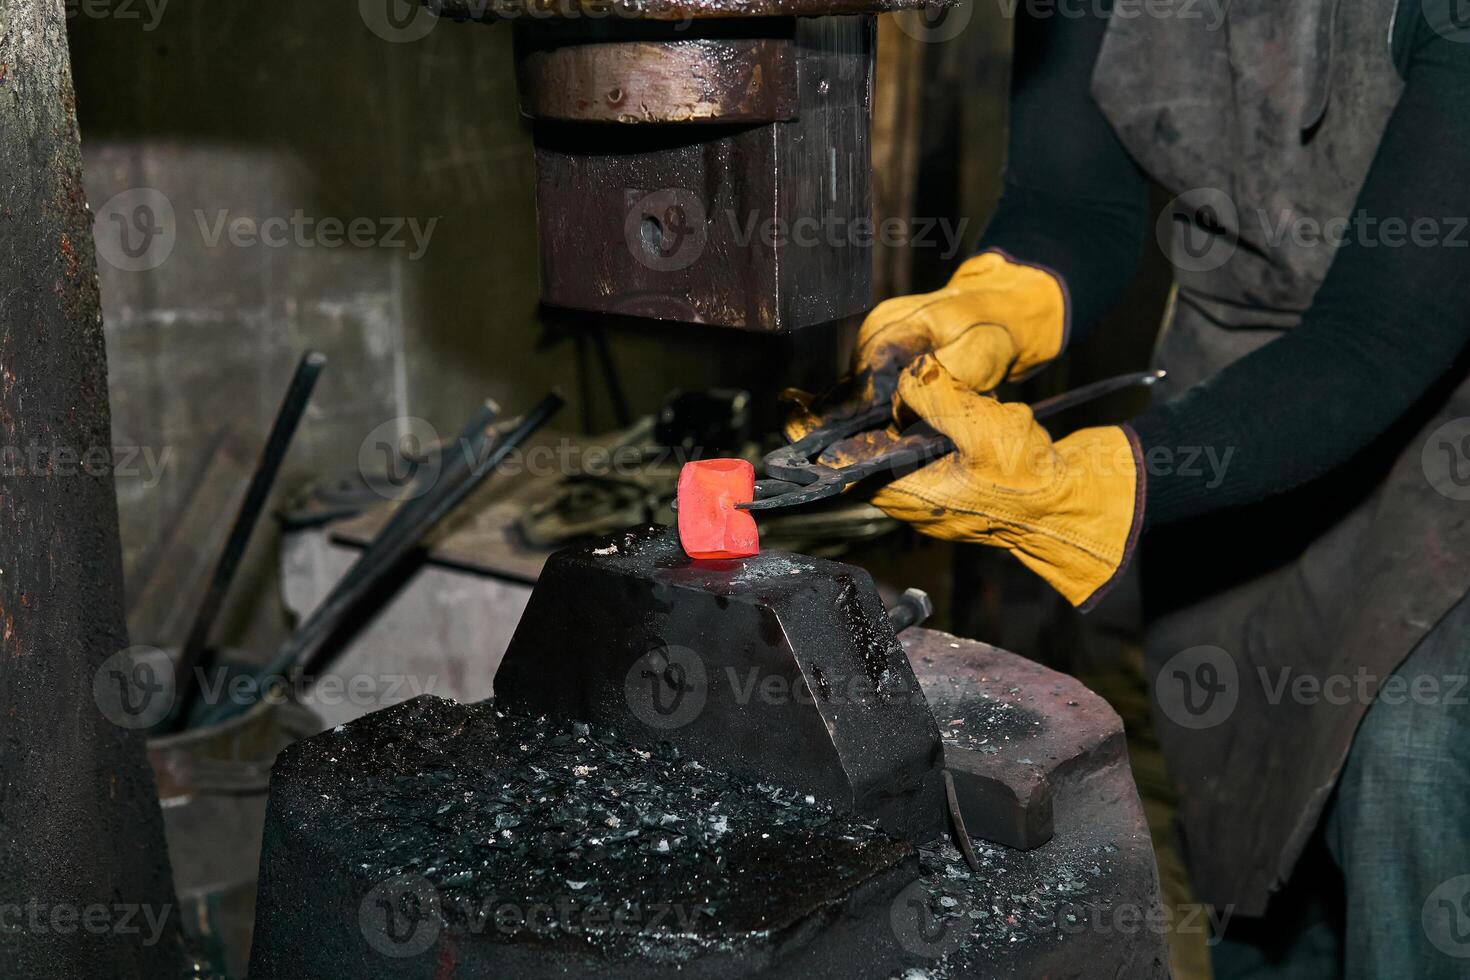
779, 667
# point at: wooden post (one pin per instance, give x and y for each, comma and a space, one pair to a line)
85, 890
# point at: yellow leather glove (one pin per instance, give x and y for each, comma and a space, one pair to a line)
1069, 510
996, 320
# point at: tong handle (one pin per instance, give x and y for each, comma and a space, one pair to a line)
917, 447
794, 476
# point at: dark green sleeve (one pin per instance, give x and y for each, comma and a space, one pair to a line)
1389, 321
1073, 201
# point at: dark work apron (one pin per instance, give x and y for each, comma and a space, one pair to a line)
1275, 114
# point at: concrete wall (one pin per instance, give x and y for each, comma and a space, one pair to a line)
203, 120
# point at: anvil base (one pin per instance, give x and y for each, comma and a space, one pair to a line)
434, 840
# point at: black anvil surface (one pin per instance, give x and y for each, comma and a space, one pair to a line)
437, 839
778, 667
434, 840
711, 770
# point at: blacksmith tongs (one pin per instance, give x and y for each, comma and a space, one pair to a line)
793, 475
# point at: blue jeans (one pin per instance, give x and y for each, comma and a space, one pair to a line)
1384, 889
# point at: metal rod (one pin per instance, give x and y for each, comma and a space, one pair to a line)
463, 480
911, 609
302, 648
957, 822
1080, 396
454, 460
396, 538
194, 655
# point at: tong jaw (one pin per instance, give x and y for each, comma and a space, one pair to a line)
796, 477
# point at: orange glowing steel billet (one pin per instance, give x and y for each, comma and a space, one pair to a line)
709, 524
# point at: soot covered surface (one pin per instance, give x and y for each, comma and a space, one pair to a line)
778, 667
1085, 903
500, 842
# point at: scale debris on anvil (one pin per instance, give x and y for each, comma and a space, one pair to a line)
705, 768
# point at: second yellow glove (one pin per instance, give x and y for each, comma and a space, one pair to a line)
996, 320
1069, 510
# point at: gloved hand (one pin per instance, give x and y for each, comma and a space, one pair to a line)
996, 320
1069, 510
